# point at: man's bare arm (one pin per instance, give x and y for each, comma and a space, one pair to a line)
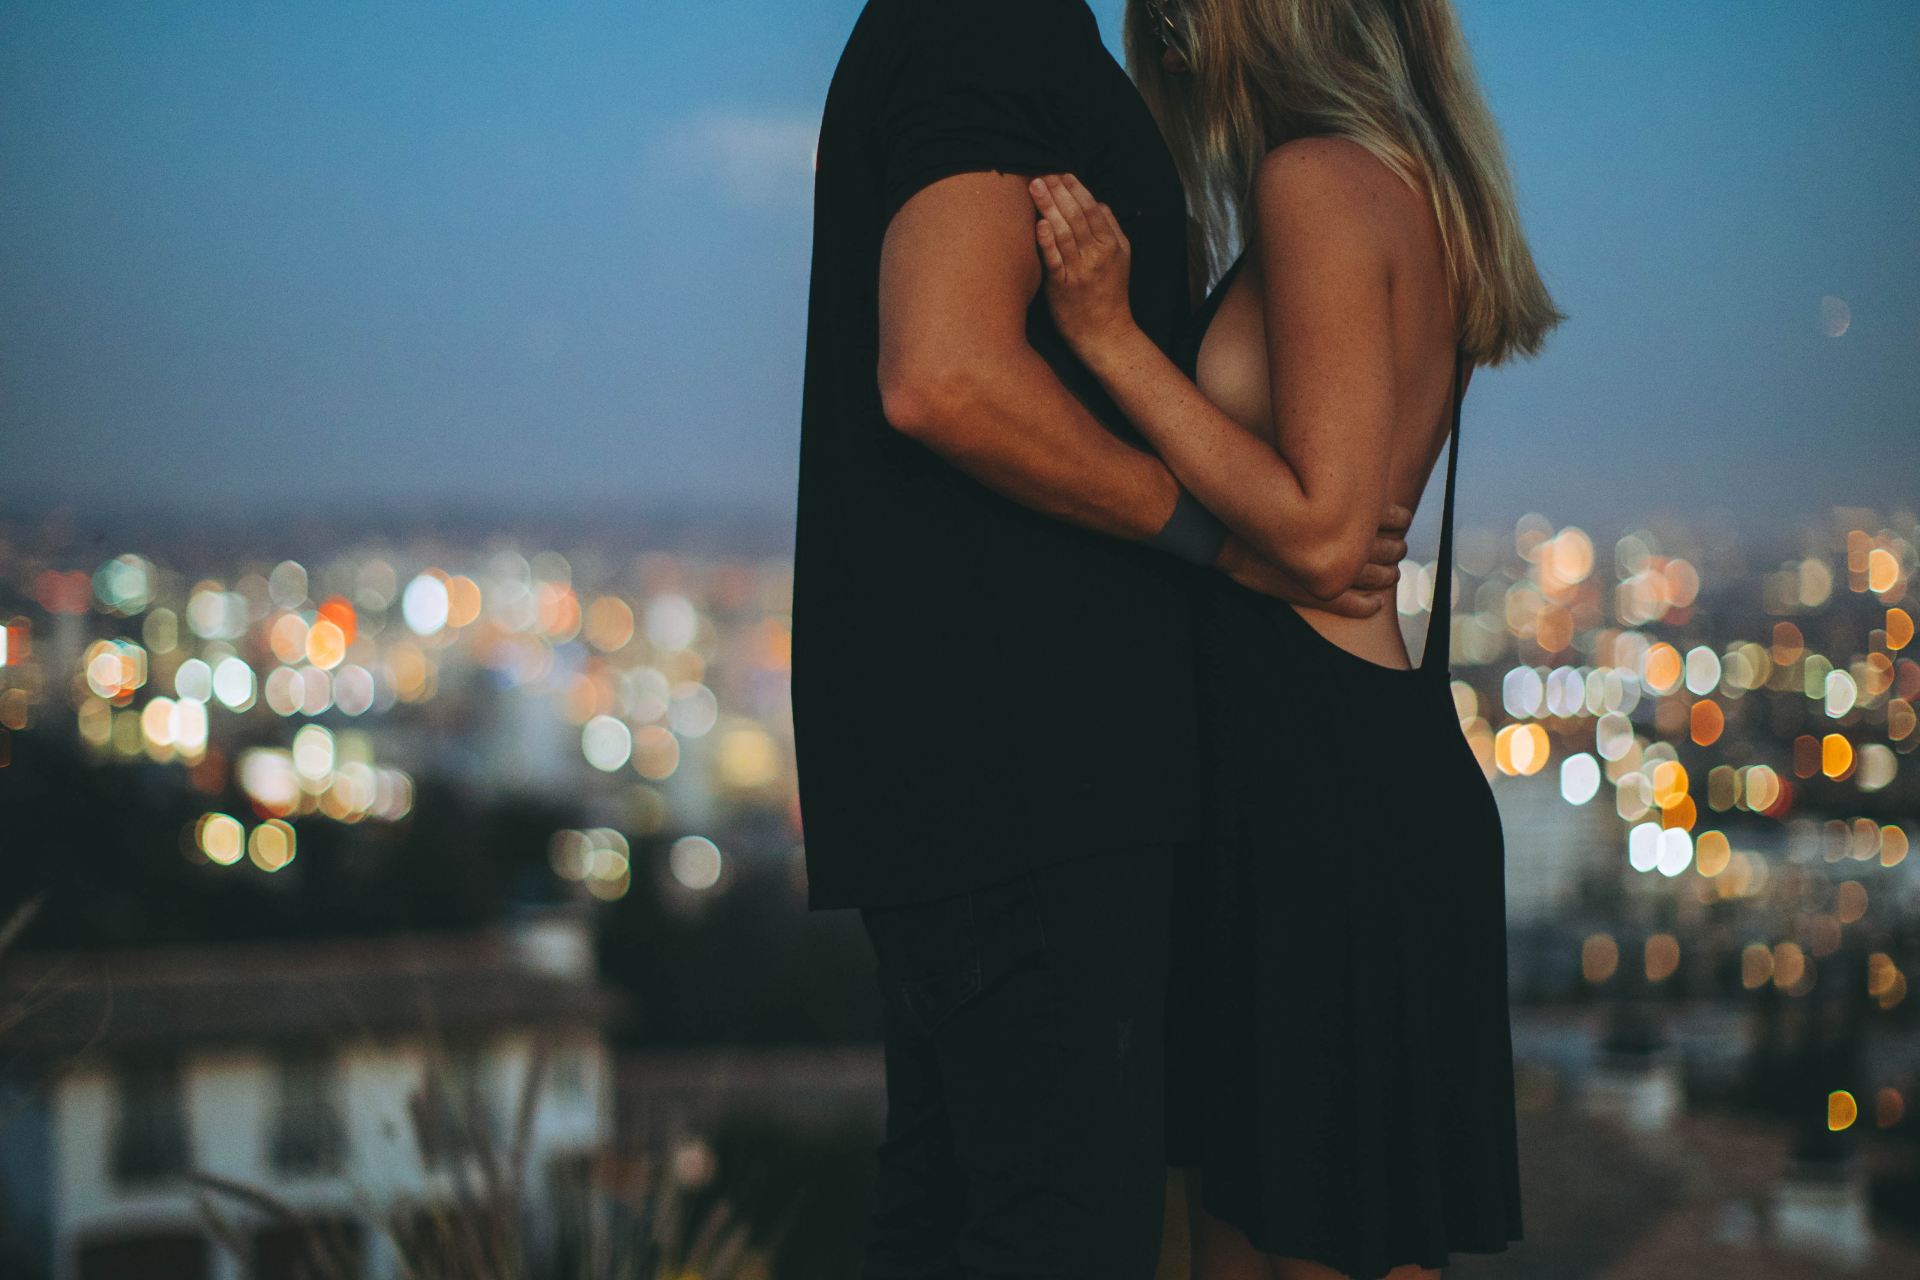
957, 273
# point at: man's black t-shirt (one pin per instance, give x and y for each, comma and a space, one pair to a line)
977, 688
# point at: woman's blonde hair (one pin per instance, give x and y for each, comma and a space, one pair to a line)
1393, 76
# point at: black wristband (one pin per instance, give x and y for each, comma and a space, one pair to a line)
1191, 532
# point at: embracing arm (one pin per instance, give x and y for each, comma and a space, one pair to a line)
957, 374
1314, 504
957, 272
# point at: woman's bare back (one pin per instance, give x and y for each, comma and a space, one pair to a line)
1232, 369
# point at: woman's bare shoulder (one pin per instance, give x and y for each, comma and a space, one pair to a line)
1326, 186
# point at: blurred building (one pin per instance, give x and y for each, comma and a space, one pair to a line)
346, 1080
1551, 845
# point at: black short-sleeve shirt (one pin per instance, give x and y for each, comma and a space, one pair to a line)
977, 688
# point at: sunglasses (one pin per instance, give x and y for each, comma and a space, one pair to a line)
1167, 30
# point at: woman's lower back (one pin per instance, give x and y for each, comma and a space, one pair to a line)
1377, 639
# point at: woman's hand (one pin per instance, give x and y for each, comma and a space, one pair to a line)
1088, 263
1372, 587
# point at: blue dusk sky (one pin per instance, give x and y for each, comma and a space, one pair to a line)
266, 257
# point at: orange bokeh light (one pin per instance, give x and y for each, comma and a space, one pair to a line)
1709, 722
339, 611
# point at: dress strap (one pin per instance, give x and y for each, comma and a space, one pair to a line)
1437, 652
1202, 318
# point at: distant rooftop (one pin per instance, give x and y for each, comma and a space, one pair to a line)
344, 989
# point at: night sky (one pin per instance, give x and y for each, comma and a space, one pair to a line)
259, 258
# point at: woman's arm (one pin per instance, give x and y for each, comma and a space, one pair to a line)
1314, 505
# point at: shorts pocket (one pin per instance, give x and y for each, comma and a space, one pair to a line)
938, 957
933, 999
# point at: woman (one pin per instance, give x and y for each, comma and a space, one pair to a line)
1342, 1090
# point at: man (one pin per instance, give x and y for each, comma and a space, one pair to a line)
992, 694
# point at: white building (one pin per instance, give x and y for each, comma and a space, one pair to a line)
336, 1077
1551, 844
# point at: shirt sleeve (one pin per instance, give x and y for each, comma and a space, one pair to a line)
978, 89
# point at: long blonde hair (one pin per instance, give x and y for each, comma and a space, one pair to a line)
1393, 76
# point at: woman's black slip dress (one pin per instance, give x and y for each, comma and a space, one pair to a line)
1340, 1067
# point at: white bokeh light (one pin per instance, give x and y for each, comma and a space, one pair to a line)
1579, 778
695, 862
425, 605
606, 742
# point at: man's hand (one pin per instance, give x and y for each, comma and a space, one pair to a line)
1371, 589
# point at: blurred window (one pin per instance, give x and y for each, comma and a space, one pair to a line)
150, 1136
313, 1249
308, 1134
163, 1255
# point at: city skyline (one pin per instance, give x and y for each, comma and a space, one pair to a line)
552, 263
400, 803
